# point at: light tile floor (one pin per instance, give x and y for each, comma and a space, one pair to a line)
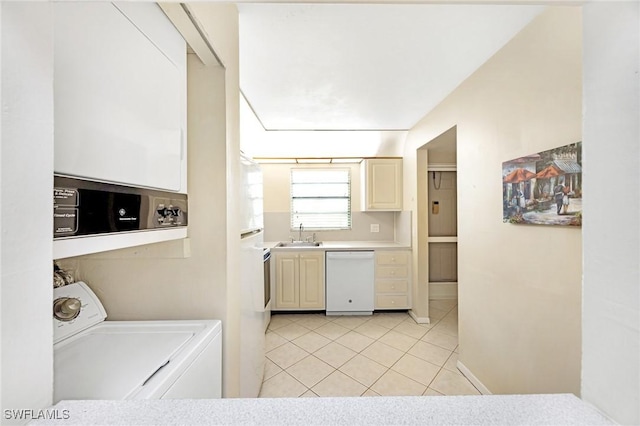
387, 354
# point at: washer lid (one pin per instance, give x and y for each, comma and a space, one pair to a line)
111, 362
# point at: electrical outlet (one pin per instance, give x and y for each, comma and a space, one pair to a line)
375, 227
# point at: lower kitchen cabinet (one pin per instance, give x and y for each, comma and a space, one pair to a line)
392, 288
299, 280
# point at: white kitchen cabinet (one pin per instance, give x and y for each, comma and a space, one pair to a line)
393, 280
119, 94
381, 184
299, 280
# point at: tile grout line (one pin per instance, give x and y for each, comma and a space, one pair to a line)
450, 355
407, 353
360, 352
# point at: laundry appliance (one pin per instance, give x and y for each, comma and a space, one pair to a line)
93, 216
115, 360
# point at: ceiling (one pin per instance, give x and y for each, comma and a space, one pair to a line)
364, 66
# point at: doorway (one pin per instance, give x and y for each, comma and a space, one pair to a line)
443, 232
436, 225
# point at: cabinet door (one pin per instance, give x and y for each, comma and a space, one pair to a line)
392, 271
287, 288
383, 184
312, 281
394, 301
119, 95
392, 286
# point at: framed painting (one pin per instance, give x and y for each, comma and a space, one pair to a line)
544, 188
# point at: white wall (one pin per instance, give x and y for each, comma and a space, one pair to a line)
519, 286
1, 191
26, 202
220, 23
610, 320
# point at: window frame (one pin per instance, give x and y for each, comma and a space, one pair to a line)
348, 212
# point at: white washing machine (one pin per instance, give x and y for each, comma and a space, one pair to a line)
98, 359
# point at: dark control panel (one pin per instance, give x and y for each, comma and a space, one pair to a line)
168, 214
82, 208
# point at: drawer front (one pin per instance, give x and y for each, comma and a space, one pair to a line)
392, 286
392, 258
392, 272
392, 302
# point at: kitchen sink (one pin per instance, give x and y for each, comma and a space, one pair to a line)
298, 244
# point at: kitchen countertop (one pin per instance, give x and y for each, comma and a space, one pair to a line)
345, 245
558, 409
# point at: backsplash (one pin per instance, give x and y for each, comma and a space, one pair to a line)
277, 227
403, 228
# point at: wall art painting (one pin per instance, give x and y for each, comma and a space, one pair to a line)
544, 188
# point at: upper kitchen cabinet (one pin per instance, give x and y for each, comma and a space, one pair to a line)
120, 94
381, 184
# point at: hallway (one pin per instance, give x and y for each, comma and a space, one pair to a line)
386, 354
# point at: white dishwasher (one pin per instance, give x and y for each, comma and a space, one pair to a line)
350, 282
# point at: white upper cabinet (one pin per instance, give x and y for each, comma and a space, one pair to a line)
120, 94
381, 184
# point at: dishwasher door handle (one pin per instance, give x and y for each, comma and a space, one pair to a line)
346, 255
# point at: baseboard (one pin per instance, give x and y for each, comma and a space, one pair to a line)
473, 379
443, 290
419, 320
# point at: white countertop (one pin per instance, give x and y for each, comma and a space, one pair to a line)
345, 245
559, 409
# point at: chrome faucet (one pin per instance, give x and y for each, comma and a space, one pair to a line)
300, 232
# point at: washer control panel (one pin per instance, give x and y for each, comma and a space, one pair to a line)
66, 308
169, 213
75, 308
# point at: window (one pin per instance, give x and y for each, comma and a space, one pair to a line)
320, 198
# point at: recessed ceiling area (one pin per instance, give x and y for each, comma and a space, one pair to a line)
364, 66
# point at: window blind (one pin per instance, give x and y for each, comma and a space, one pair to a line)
320, 198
